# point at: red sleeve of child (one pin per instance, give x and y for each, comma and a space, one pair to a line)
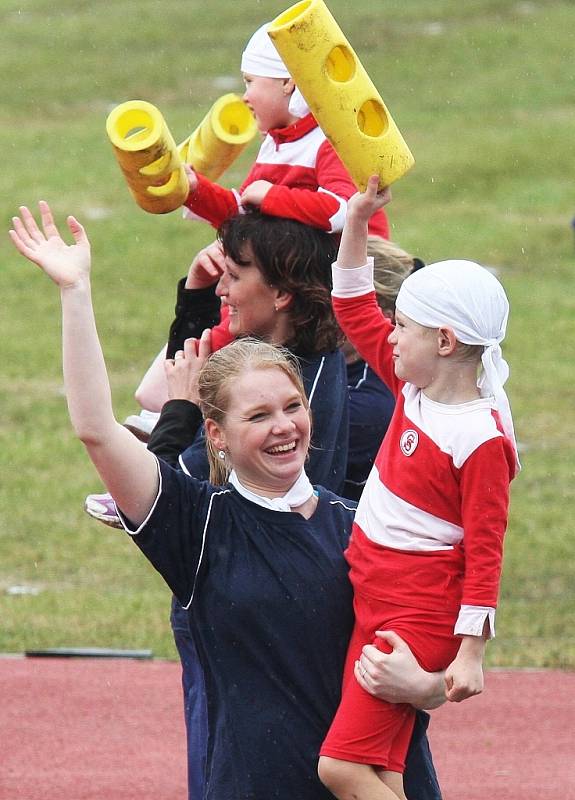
211, 202
484, 484
334, 177
325, 207
367, 328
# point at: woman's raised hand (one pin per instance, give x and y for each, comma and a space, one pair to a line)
182, 371
65, 264
207, 266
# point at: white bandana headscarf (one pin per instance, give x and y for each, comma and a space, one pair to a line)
301, 491
261, 58
470, 300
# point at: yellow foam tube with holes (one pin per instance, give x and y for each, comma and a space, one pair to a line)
148, 156
340, 93
220, 137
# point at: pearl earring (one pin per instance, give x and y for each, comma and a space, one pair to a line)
221, 454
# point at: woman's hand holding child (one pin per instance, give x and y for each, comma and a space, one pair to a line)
206, 268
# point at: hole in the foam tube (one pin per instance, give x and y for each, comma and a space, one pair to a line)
164, 189
157, 167
235, 118
292, 13
372, 118
135, 124
137, 132
340, 64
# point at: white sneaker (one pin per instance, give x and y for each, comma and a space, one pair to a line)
103, 508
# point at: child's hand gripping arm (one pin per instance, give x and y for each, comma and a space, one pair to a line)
464, 676
360, 208
117, 454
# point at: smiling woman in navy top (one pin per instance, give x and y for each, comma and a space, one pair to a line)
255, 553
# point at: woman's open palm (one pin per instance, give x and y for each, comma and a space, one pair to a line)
65, 264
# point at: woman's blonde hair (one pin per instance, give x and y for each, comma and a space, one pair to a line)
391, 266
219, 373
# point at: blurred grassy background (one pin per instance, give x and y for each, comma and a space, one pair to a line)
483, 92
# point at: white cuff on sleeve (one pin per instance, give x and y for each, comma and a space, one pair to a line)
354, 281
471, 621
187, 214
337, 220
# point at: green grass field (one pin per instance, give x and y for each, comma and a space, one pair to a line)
483, 92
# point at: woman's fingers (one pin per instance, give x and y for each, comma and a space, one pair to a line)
22, 233
361, 675
30, 224
48, 223
77, 230
205, 344
18, 243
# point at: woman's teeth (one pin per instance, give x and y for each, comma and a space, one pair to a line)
282, 448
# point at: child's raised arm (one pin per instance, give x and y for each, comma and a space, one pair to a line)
126, 467
360, 208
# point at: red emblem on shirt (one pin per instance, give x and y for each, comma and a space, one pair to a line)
408, 442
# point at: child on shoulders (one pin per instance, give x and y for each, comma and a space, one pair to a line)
297, 173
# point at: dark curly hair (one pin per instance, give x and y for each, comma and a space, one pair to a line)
297, 259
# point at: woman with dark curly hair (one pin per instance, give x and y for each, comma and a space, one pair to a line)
272, 281
294, 258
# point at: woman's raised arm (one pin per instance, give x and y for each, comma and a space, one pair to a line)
126, 467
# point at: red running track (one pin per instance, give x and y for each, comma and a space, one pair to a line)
102, 729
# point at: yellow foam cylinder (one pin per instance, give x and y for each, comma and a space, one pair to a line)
220, 137
340, 94
148, 156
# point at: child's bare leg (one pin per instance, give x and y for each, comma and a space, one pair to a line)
393, 780
152, 392
350, 781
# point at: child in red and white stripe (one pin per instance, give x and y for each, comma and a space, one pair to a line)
426, 548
